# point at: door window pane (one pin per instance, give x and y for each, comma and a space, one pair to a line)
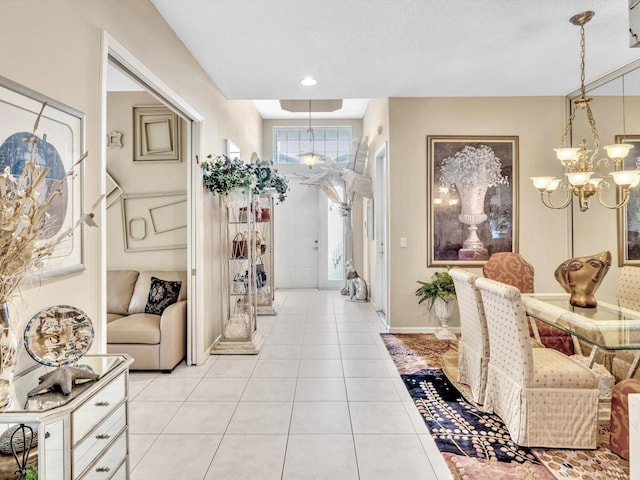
335, 242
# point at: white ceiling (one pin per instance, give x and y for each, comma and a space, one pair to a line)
359, 49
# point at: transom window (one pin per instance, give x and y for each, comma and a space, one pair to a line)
289, 142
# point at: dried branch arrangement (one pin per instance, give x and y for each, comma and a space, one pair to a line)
24, 219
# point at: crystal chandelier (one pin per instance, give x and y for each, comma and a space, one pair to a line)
310, 158
579, 164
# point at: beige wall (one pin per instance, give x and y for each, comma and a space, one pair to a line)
139, 178
376, 127
55, 49
537, 122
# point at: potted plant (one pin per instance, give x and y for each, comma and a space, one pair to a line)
268, 178
440, 291
225, 176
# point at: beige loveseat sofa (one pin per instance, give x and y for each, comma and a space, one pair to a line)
156, 342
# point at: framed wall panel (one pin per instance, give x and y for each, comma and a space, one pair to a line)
154, 221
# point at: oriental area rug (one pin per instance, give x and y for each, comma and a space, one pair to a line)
475, 444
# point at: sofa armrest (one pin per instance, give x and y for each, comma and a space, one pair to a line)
173, 335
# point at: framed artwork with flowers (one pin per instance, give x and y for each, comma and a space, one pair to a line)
472, 191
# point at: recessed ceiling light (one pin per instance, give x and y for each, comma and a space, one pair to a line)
308, 81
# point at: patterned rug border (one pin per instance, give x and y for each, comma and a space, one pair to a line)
412, 353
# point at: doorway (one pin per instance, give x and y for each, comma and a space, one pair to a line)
297, 238
309, 239
380, 221
116, 57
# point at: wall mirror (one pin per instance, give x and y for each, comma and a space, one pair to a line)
616, 111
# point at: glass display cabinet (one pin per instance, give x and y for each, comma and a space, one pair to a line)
243, 244
265, 261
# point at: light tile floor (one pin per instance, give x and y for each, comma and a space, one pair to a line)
322, 400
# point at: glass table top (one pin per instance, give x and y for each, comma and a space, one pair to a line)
611, 325
20, 403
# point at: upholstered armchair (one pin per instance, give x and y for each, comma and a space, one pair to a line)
545, 398
512, 269
473, 347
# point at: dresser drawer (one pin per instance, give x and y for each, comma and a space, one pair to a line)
92, 446
121, 474
86, 417
110, 463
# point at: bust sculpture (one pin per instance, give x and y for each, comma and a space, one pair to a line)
581, 277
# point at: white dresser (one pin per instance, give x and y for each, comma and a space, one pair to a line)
83, 436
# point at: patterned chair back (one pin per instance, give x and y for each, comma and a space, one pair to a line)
474, 341
473, 324
510, 347
510, 268
628, 292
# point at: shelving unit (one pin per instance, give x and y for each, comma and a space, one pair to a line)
241, 242
264, 225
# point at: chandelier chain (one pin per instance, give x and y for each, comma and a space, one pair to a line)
582, 55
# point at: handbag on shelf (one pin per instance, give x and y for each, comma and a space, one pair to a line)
261, 244
242, 215
261, 274
239, 284
264, 296
239, 246
266, 215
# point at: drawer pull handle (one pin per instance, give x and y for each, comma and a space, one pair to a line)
102, 404
103, 469
103, 436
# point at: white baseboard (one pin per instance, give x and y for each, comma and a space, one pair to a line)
420, 329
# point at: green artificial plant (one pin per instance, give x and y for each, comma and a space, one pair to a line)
440, 286
222, 175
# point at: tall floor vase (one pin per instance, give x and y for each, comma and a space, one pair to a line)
8, 355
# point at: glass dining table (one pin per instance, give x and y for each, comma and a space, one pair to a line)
611, 326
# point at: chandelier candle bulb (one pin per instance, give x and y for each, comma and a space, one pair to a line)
566, 154
625, 178
578, 179
618, 151
542, 183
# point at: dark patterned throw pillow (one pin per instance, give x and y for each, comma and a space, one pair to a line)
161, 294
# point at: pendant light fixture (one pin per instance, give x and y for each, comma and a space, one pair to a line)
578, 163
310, 158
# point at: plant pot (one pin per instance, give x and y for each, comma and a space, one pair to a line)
444, 311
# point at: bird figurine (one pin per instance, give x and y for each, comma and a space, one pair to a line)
64, 378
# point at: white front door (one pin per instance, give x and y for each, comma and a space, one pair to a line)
296, 232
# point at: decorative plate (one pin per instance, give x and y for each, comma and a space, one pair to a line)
58, 335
